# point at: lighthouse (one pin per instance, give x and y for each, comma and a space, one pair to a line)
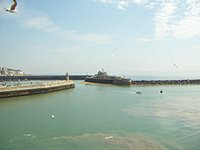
67, 76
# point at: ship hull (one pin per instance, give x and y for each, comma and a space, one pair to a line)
109, 81
105, 81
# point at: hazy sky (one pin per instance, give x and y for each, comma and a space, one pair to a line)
84, 36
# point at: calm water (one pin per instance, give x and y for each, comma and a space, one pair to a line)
86, 115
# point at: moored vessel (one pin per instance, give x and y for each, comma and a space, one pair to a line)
103, 77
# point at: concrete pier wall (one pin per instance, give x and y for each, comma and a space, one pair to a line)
14, 91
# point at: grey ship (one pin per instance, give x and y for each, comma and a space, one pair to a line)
103, 77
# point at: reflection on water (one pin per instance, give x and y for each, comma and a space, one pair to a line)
184, 108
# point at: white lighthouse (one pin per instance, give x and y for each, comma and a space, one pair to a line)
67, 76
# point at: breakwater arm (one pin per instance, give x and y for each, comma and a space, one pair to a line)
166, 82
29, 89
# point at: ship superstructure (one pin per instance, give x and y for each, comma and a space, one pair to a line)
103, 77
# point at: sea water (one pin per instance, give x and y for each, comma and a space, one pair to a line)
103, 117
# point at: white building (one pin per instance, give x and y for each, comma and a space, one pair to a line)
10, 72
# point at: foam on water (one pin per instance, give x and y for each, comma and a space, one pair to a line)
90, 141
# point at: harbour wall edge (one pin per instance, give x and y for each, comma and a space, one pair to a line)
33, 91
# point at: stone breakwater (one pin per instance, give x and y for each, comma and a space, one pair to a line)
29, 89
42, 77
166, 82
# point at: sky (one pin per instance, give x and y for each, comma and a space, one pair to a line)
84, 36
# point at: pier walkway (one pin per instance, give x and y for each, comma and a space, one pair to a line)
29, 89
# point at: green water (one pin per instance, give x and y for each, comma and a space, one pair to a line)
86, 115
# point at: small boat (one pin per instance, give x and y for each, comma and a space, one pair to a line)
138, 92
108, 137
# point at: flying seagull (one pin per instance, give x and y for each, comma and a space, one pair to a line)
12, 7
175, 65
52, 116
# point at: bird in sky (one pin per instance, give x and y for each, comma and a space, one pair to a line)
175, 65
12, 7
